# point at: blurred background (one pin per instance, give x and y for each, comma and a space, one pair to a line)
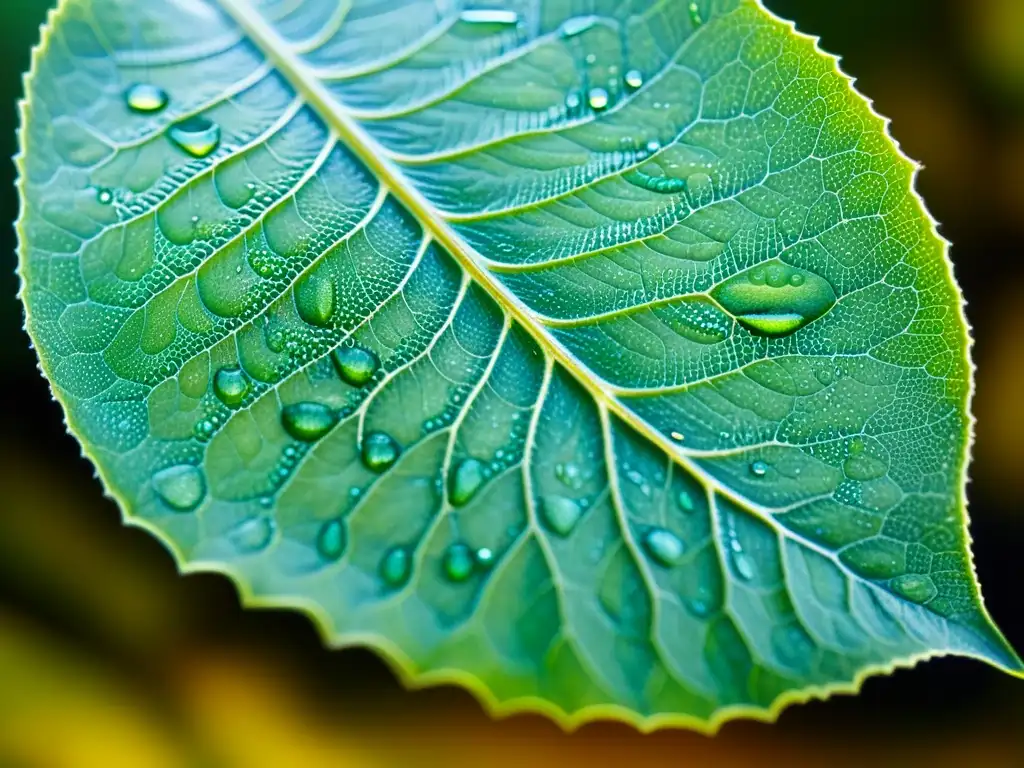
109, 658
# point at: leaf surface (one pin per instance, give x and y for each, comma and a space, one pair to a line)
603, 362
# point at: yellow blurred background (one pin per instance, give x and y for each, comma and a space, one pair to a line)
109, 658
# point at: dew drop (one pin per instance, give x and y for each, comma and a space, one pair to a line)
569, 475
231, 386
253, 534
759, 468
331, 540
664, 546
489, 16
695, 18
182, 487
560, 514
396, 566
634, 79
314, 299
743, 564
914, 587
465, 481
685, 501
197, 136
380, 452
698, 608
597, 98
484, 557
355, 365
572, 101
458, 562
104, 196
577, 25
145, 98
765, 300
307, 421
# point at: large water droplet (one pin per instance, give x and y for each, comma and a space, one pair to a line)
355, 365
560, 514
145, 98
231, 386
775, 299
308, 421
458, 562
331, 540
396, 566
634, 79
314, 299
914, 587
380, 451
465, 481
664, 546
598, 99
489, 16
198, 136
182, 487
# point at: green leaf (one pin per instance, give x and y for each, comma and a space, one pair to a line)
607, 365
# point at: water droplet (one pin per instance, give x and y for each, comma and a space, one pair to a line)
198, 136
146, 98
396, 566
572, 101
231, 386
331, 540
743, 564
677, 436
484, 557
766, 301
664, 546
314, 299
458, 562
634, 79
597, 98
380, 451
104, 196
489, 16
685, 501
465, 481
695, 18
698, 608
308, 421
914, 587
759, 468
569, 475
653, 146
576, 25
253, 534
182, 487
355, 365
560, 514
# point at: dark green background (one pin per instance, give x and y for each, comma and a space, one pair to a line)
106, 600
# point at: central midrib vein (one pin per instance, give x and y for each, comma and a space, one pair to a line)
365, 147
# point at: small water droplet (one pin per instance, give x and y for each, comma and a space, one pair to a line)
572, 101
308, 421
744, 565
355, 365
484, 557
560, 514
489, 16
465, 481
634, 79
197, 136
677, 436
664, 546
695, 18
396, 566
231, 386
104, 196
380, 451
758, 468
331, 540
145, 98
182, 487
458, 562
698, 608
598, 98
576, 25
914, 587
253, 534
685, 501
